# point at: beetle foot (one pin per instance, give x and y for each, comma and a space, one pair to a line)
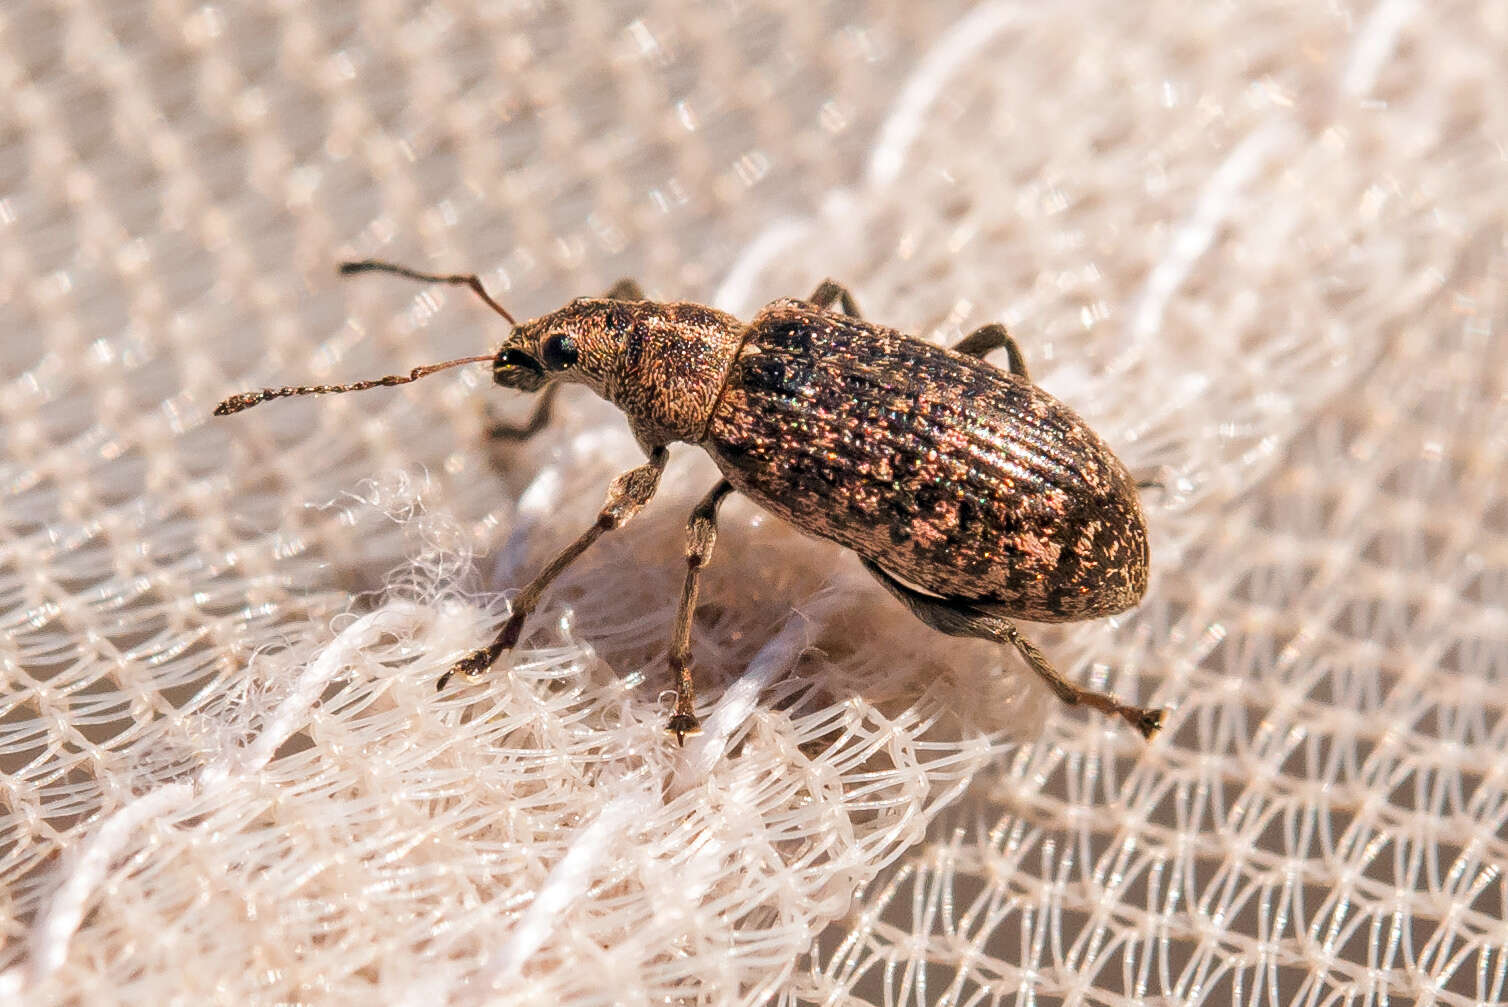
682, 724
1147, 720
473, 666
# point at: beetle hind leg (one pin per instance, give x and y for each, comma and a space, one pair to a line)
958, 619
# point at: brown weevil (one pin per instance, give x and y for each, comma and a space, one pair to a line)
967, 491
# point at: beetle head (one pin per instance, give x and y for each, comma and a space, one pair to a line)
583, 342
662, 363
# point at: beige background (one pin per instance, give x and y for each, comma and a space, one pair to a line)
1260, 246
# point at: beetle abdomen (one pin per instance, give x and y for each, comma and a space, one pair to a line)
952, 474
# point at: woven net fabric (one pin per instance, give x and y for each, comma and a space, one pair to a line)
1262, 248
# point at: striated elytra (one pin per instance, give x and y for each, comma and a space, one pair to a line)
971, 494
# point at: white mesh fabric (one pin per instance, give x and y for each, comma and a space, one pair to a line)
1263, 248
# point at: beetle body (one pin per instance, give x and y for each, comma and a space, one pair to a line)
972, 495
955, 476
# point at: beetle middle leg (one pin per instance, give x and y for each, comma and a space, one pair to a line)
957, 618
994, 337
829, 291
625, 497
701, 536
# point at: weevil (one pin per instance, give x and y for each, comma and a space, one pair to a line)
968, 492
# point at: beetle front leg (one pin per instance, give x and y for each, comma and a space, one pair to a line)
625, 497
957, 618
501, 431
993, 337
829, 291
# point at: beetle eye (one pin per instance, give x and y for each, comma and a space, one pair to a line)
558, 352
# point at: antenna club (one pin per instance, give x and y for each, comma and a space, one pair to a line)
236, 403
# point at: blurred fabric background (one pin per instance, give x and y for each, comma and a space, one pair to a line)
1261, 247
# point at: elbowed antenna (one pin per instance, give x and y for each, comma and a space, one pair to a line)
454, 279
245, 400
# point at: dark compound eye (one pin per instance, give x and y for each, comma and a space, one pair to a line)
558, 352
